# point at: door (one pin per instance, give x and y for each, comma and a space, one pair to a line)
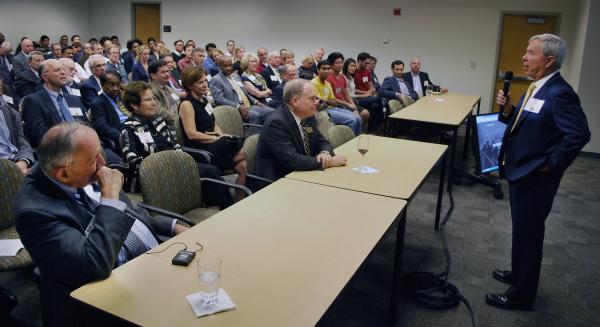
516, 31
146, 21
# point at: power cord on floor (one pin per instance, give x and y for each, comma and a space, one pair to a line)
433, 291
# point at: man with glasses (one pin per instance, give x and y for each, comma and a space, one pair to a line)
28, 81
289, 72
114, 63
91, 88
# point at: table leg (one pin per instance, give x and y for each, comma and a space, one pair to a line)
397, 273
438, 208
467, 136
452, 154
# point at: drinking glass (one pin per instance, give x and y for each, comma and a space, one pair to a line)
209, 273
363, 144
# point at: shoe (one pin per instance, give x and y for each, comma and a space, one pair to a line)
503, 301
504, 276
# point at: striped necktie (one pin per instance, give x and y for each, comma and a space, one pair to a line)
532, 87
305, 139
122, 108
239, 91
64, 111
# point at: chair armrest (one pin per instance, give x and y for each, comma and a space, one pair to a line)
167, 213
207, 156
246, 125
119, 166
252, 176
231, 185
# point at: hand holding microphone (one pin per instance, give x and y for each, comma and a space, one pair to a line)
503, 99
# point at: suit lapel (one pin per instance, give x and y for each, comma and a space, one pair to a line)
540, 95
289, 118
50, 107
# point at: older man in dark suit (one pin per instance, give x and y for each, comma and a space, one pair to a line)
75, 221
107, 110
19, 62
28, 80
91, 88
544, 133
417, 79
290, 140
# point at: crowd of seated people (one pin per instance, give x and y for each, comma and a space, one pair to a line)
127, 104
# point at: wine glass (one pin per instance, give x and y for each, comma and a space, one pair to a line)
363, 144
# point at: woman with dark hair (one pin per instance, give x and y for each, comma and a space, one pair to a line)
200, 130
145, 133
371, 103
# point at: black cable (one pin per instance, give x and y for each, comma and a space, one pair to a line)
200, 248
433, 291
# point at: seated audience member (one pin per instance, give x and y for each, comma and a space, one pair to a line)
152, 47
178, 54
417, 79
5, 66
211, 61
317, 56
129, 55
80, 74
55, 51
200, 130
145, 133
254, 83
371, 65
230, 48
290, 140
86, 53
289, 73
287, 57
114, 63
139, 71
363, 79
305, 71
28, 81
262, 54
107, 110
336, 110
174, 75
227, 89
192, 42
44, 45
270, 73
13, 143
77, 51
238, 53
91, 88
20, 61
198, 58
186, 61
67, 52
64, 40
339, 84
372, 103
395, 86
76, 222
71, 87
166, 96
97, 49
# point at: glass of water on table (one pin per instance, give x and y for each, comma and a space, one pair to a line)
209, 274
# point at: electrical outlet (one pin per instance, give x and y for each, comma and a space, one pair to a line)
473, 64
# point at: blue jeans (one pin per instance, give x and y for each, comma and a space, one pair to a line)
346, 117
258, 116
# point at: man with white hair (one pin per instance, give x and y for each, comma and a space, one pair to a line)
19, 62
97, 49
544, 133
271, 73
72, 87
28, 81
91, 88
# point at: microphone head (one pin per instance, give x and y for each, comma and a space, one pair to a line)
508, 75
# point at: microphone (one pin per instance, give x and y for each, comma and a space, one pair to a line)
508, 76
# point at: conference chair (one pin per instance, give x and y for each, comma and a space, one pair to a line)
340, 134
406, 100
394, 106
171, 187
230, 121
250, 145
324, 123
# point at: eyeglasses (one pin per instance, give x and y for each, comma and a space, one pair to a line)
100, 65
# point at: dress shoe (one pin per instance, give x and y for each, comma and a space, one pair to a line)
503, 301
505, 276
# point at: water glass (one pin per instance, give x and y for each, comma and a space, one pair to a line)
209, 273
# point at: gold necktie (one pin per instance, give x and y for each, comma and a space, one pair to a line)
123, 109
532, 87
239, 91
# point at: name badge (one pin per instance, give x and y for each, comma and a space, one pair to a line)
174, 96
99, 92
365, 79
240, 84
326, 92
76, 92
338, 90
209, 108
308, 129
252, 78
426, 83
274, 78
75, 111
534, 105
8, 99
145, 137
208, 77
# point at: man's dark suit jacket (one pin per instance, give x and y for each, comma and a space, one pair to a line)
280, 148
89, 91
277, 96
17, 137
390, 86
266, 74
40, 114
105, 119
54, 229
19, 63
423, 76
552, 137
26, 83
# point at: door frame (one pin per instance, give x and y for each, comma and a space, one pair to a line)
132, 15
499, 39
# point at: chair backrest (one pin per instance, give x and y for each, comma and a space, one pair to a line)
324, 123
340, 134
179, 133
406, 100
170, 180
394, 106
229, 120
250, 148
9, 185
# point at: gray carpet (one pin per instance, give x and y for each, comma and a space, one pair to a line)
479, 240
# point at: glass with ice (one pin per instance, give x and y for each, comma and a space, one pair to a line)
209, 273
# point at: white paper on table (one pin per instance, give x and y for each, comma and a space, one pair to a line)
439, 99
223, 303
366, 170
10, 247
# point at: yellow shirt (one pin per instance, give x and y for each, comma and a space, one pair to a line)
324, 90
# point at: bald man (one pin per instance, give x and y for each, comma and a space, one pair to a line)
417, 79
19, 62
